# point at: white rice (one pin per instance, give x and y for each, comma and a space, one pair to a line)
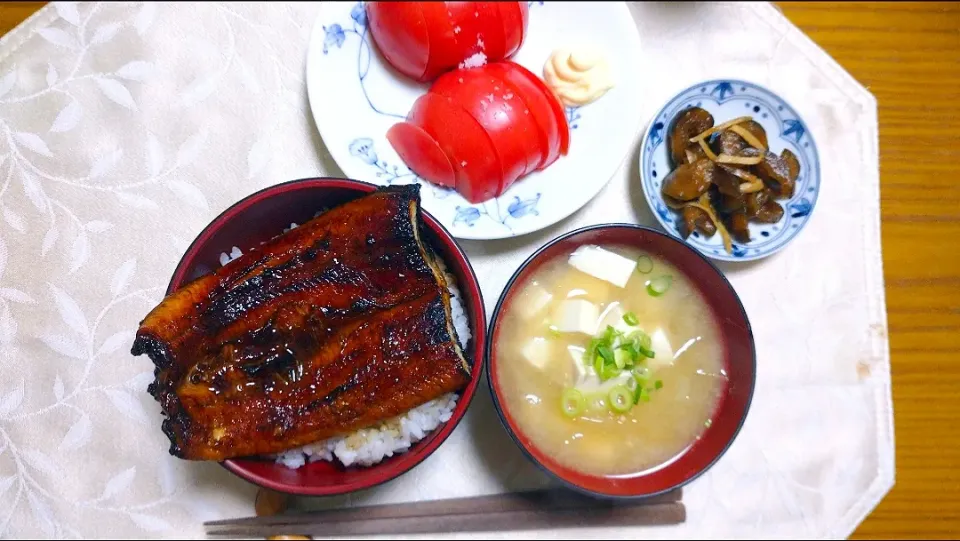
369, 446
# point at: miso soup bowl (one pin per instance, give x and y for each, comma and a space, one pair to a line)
737, 346
264, 215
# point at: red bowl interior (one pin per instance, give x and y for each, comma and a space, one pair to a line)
738, 348
262, 216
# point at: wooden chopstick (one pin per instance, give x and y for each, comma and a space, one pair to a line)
552, 508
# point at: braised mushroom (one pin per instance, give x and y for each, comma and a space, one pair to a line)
739, 226
754, 129
755, 201
729, 143
726, 180
770, 213
689, 181
695, 219
728, 204
775, 174
725, 176
738, 137
688, 124
793, 164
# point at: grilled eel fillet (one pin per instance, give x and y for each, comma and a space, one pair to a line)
325, 384
362, 256
284, 305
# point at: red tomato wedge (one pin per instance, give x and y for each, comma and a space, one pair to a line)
555, 105
481, 129
455, 31
514, 25
538, 106
465, 143
490, 38
400, 32
422, 154
459, 30
500, 111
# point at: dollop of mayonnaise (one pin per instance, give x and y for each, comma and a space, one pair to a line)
579, 77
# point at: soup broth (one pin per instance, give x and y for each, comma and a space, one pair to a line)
547, 367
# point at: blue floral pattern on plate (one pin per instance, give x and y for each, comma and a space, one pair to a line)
727, 99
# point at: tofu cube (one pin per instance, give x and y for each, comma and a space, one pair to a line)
576, 315
537, 352
603, 264
613, 316
661, 347
579, 368
532, 302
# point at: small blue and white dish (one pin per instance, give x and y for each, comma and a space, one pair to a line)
727, 99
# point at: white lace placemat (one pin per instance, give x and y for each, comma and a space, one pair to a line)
125, 128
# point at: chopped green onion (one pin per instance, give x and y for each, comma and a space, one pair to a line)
622, 358
609, 334
554, 331
640, 393
606, 352
591, 352
620, 399
631, 319
631, 350
598, 365
644, 264
649, 353
708, 423
646, 342
572, 402
641, 373
658, 384
609, 371
659, 285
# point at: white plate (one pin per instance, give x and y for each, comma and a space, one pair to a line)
355, 98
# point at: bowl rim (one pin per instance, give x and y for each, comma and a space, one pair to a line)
643, 173
470, 289
500, 408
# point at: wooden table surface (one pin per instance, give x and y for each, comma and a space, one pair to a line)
908, 55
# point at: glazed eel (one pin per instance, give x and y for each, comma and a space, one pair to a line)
337, 324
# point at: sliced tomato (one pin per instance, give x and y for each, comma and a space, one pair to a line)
498, 108
537, 106
514, 25
490, 34
464, 141
421, 153
555, 105
456, 31
400, 32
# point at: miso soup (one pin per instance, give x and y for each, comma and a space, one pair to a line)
610, 361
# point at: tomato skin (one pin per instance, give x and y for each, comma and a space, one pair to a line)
538, 106
454, 32
401, 35
464, 141
422, 154
482, 129
500, 111
555, 105
513, 15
